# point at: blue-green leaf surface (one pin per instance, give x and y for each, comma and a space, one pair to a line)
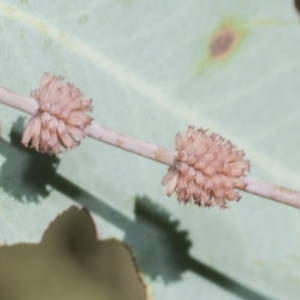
152, 68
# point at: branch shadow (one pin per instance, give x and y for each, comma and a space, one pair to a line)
152, 236
26, 173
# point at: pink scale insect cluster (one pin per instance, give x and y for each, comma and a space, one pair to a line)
206, 169
61, 120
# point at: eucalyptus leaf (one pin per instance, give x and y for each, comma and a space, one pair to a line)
152, 68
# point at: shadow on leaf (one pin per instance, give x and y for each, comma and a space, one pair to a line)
25, 173
297, 5
161, 249
156, 238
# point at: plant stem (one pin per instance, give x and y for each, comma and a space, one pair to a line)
24, 103
131, 144
150, 150
272, 191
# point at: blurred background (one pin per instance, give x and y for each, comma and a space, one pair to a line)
69, 263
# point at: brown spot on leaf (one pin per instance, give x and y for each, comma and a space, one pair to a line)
223, 43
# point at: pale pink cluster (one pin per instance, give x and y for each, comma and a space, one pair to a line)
61, 120
206, 169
